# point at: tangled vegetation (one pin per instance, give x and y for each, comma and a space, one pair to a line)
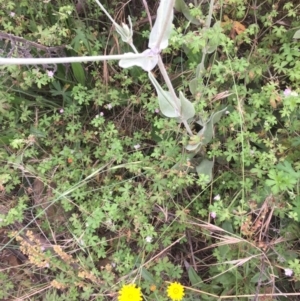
178, 180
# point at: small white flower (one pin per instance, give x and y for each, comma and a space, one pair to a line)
294, 93
61, 111
217, 197
97, 116
288, 272
50, 73
287, 92
137, 146
12, 14
156, 110
227, 112
213, 214
148, 239
109, 106
101, 114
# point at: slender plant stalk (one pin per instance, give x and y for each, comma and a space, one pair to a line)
61, 60
165, 75
107, 14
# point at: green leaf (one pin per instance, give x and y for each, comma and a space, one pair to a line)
187, 108
297, 34
287, 167
81, 37
205, 168
260, 276
200, 70
194, 277
147, 276
207, 131
37, 133
193, 85
166, 103
79, 73
6, 139
214, 41
196, 82
227, 226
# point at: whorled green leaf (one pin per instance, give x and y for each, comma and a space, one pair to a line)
193, 85
147, 63
187, 108
207, 131
195, 82
194, 278
162, 28
167, 105
79, 73
205, 168
147, 276
200, 70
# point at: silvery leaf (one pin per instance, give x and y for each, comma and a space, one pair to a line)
162, 28
147, 63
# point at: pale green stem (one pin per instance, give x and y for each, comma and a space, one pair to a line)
207, 25
107, 14
209, 16
61, 60
171, 89
165, 75
148, 13
114, 22
133, 47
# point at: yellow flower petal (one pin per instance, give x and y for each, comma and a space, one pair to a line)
175, 291
130, 292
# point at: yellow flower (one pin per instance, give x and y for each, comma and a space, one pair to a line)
175, 291
130, 293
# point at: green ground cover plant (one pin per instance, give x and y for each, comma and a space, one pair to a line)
162, 162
